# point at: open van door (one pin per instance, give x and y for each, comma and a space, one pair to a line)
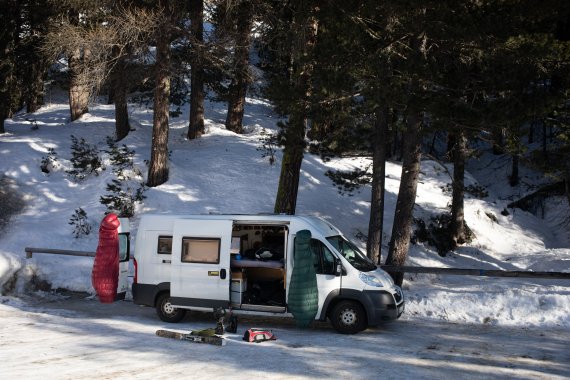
200, 269
124, 258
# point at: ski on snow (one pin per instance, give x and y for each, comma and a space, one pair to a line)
215, 340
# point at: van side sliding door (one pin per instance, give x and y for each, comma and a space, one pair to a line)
200, 270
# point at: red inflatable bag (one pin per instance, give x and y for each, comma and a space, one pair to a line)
105, 275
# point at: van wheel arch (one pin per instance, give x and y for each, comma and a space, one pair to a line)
339, 295
165, 311
336, 300
348, 316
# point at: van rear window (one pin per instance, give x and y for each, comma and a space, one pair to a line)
201, 250
164, 245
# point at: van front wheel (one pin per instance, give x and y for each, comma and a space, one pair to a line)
166, 311
348, 317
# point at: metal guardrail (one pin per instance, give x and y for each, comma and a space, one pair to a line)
389, 268
30, 251
477, 272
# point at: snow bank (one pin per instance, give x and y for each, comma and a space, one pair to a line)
9, 266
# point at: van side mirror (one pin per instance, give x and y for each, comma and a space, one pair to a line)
338, 269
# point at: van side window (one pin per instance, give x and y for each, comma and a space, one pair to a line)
323, 257
164, 245
200, 250
124, 247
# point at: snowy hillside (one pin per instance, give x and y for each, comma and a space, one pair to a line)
225, 173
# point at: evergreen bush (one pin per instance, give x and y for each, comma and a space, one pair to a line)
49, 162
80, 223
84, 159
437, 233
269, 142
124, 191
121, 157
347, 182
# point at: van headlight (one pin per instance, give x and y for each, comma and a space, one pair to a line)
385, 278
371, 280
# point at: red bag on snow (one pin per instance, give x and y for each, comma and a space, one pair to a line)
258, 335
105, 275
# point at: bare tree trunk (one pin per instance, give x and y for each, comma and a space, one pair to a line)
459, 153
286, 199
78, 90
432, 145
111, 94
451, 142
196, 125
402, 227
498, 141
158, 168
120, 90
240, 81
376, 223
566, 184
544, 145
35, 93
514, 178
2, 119
531, 131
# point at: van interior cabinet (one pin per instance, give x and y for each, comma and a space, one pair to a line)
237, 288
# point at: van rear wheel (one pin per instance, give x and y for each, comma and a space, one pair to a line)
348, 317
166, 311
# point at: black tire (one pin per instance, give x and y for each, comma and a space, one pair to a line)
348, 317
166, 311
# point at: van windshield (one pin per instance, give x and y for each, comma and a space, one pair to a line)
352, 254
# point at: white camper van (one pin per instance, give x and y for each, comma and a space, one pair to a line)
245, 262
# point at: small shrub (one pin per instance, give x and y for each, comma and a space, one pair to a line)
122, 158
437, 233
49, 162
349, 182
84, 159
128, 188
34, 124
122, 201
268, 145
476, 191
80, 223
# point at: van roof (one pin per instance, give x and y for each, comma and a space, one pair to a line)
166, 221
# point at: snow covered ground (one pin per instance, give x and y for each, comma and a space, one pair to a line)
79, 338
225, 173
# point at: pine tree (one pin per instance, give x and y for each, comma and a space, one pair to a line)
376, 220
401, 229
10, 89
242, 15
304, 35
119, 83
158, 168
79, 91
37, 15
196, 124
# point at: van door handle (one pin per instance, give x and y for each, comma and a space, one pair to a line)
166, 261
223, 274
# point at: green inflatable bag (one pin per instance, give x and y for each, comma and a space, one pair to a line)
303, 293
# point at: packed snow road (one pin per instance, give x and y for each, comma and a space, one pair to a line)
75, 337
